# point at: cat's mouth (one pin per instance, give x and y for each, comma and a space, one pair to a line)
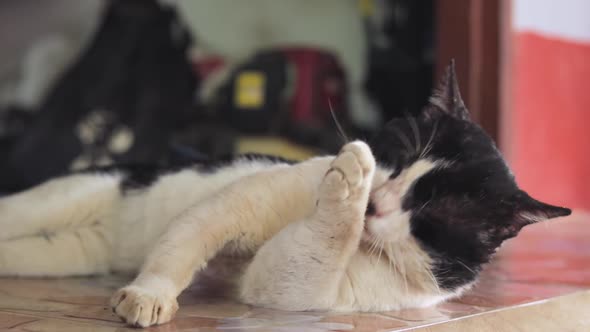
384, 222
374, 212
370, 214
371, 210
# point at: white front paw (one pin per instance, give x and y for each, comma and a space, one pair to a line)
143, 307
350, 175
344, 192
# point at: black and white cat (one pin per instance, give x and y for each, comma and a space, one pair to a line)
407, 220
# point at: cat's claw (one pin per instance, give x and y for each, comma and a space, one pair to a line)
141, 307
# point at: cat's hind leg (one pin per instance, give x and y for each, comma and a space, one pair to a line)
302, 267
72, 201
75, 252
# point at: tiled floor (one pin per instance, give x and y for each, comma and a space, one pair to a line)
546, 261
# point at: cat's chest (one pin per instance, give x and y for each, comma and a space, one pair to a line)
374, 283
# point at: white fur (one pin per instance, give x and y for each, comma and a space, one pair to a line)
391, 223
59, 228
302, 225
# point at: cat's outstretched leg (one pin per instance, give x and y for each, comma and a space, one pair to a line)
59, 228
72, 201
248, 212
75, 252
302, 267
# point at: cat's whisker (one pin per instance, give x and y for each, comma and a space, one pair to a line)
370, 251
376, 248
391, 262
381, 244
389, 265
428, 145
465, 266
373, 247
423, 206
433, 279
404, 138
371, 244
404, 274
341, 132
400, 268
414, 126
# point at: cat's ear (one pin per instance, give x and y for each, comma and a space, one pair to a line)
529, 211
447, 97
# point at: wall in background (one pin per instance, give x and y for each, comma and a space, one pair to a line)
546, 121
23, 22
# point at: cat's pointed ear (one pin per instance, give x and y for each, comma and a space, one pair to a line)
447, 97
529, 211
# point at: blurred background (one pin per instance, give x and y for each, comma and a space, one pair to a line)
97, 82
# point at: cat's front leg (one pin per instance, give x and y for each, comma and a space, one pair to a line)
302, 267
344, 195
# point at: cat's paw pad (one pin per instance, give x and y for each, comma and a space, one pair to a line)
350, 173
363, 154
334, 186
142, 307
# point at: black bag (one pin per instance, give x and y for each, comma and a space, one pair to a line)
119, 102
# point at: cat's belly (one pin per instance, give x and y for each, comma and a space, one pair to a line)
220, 279
142, 217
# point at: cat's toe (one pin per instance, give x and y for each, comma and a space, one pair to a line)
347, 164
350, 174
363, 154
334, 187
356, 164
140, 307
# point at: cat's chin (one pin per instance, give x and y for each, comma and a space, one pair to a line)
393, 226
368, 236
372, 242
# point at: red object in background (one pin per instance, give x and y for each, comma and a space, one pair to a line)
208, 65
319, 85
549, 120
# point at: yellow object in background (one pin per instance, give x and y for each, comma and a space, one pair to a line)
367, 7
274, 146
249, 92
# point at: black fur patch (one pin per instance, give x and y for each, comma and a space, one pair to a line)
140, 176
211, 166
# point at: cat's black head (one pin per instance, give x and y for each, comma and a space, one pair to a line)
448, 180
